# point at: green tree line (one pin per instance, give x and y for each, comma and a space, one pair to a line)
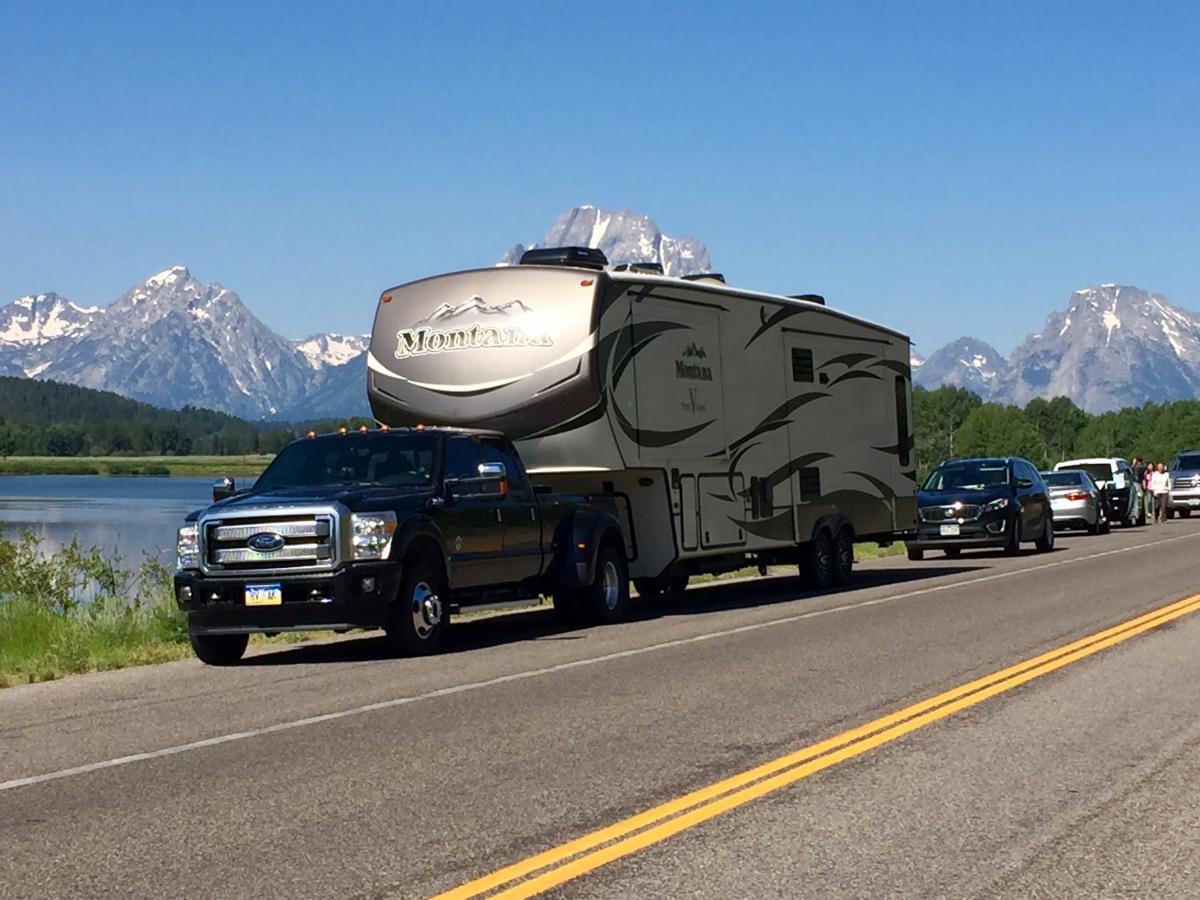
953, 422
47, 418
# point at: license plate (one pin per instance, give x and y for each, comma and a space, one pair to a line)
264, 595
949, 531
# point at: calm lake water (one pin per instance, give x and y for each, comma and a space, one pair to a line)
126, 516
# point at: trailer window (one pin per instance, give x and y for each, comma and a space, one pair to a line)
902, 420
802, 365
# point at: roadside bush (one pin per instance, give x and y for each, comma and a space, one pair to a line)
79, 610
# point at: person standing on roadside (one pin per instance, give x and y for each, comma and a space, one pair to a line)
1147, 493
1160, 485
1139, 480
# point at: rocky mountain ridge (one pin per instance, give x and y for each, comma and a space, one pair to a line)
1114, 345
172, 341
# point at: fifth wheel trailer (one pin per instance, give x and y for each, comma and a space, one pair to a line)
727, 426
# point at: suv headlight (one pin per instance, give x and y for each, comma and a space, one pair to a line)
997, 504
187, 547
371, 534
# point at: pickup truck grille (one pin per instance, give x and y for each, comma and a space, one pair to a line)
307, 541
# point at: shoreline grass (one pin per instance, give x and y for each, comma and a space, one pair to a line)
207, 466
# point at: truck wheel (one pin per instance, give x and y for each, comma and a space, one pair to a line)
219, 649
606, 599
843, 557
417, 618
916, 554
816, 563
1185, 513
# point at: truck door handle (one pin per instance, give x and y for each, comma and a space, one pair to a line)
499, 517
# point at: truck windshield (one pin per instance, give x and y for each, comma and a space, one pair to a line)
1187, 462
392, 460
971, 475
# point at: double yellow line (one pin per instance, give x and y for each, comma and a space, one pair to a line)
557, 865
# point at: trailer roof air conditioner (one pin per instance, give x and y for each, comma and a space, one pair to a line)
576, 257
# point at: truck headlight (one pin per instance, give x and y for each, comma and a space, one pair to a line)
187, 547
371, 534
996, 505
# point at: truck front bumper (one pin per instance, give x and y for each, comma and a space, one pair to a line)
352, 596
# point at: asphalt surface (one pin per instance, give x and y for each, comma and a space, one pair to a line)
333, 771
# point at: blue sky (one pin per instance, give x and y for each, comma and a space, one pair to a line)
946, 168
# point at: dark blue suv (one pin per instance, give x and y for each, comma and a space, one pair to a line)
992, 502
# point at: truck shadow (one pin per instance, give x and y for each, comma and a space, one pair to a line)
468, 634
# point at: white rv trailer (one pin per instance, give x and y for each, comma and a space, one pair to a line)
729, 426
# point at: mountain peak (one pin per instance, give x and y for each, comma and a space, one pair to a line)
169, 276
625, 236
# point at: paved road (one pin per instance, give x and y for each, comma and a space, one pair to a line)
333, 771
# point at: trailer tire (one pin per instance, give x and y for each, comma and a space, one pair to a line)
218, 649
843, 557
816, 562
417, 618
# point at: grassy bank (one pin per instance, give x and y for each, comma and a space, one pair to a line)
213, 466
77, 610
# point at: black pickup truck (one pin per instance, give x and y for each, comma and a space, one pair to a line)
393, 529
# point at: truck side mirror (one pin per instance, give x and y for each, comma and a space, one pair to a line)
493, 479
222, 488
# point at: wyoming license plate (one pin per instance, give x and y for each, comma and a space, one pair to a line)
264, 595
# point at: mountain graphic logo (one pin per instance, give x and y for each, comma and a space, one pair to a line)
473, 325
695, 351
476, 305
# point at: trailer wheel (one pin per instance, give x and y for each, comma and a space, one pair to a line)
843, 557
417, 618
219, 649
816, 562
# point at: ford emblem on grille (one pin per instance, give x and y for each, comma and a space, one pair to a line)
265, 542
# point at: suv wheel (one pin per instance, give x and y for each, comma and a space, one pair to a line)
1046, 542
417, 618
219, 649
1013, 545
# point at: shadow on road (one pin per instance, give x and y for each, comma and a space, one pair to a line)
467, 634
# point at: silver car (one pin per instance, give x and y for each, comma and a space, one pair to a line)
1184, 493
1077, 501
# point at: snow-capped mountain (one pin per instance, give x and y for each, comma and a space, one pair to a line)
29, 324
332, 349
1113, 346
967, 363
172, 341
625, 236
